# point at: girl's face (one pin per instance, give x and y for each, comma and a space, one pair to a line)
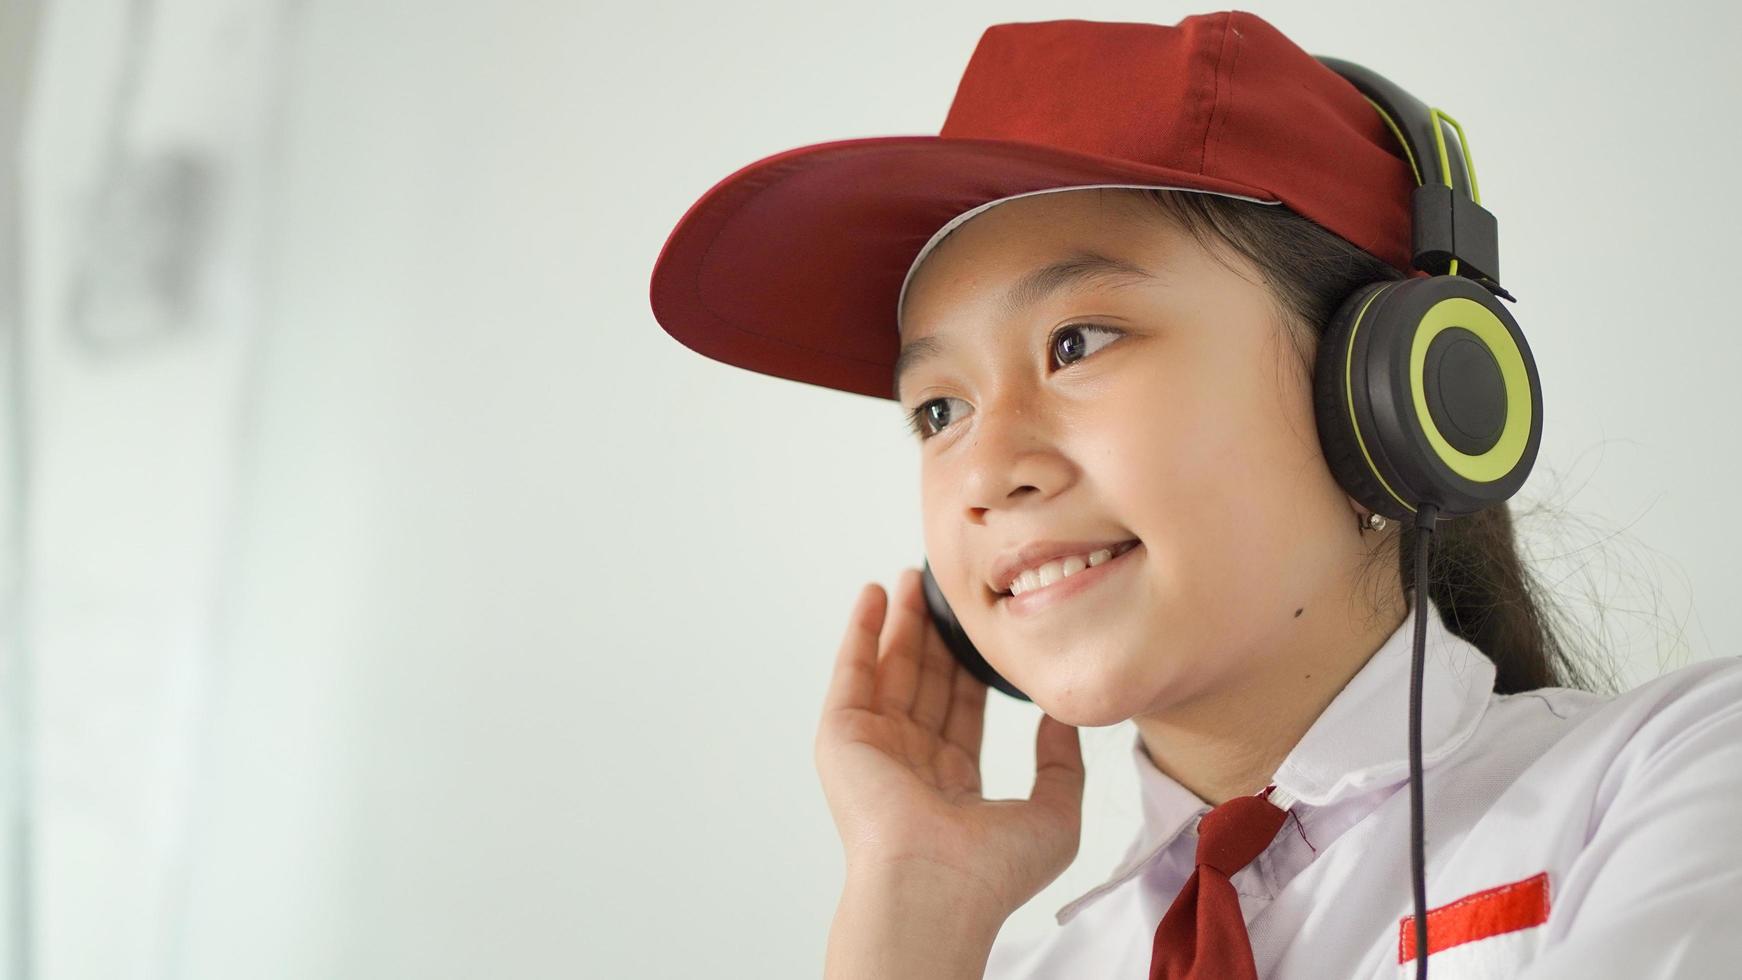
1069, 401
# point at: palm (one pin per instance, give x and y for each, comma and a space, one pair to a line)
911, 756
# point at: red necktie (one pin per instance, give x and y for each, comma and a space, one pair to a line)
1203, 935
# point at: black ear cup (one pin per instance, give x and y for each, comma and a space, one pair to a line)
957, 640
1425, 391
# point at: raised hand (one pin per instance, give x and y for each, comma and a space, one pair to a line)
898, 752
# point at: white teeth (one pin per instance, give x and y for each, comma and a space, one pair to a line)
1056, 569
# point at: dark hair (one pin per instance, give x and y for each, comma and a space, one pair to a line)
1483, 589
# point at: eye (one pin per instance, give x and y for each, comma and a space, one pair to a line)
930, 417
1067, 341
1068, 346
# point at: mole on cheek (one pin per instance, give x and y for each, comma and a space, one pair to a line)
1297, 612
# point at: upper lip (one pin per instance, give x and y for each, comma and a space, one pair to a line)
1035, 553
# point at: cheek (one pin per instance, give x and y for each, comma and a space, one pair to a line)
942, 537
1197, 476
1210, 443
1161, 456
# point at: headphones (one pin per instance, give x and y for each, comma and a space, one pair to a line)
1425, 394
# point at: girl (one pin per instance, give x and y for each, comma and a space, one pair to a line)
1100, 296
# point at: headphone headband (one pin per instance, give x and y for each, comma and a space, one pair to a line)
1452, 233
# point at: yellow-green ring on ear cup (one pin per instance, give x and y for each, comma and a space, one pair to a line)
1498, 461
1398, 363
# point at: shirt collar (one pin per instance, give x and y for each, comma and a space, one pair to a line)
1360, 742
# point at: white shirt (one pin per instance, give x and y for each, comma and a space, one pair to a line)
1575, 834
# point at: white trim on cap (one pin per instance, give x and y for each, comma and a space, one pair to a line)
950, 225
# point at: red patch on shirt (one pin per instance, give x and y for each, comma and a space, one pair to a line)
1490, 912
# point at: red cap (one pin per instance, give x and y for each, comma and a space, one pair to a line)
792, 266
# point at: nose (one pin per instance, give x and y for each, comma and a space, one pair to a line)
1013, 458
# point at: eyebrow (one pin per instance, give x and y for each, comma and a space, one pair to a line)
1076, 270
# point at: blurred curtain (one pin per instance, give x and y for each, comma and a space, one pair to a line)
18, 31
135, 212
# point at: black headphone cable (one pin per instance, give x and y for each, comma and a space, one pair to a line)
1424, 525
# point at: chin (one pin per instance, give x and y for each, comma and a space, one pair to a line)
1088, 684
1102, 702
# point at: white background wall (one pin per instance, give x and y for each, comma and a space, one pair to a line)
403, 602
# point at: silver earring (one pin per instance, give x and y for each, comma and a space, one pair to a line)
1374, 522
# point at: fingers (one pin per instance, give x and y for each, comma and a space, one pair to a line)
931, 703
893, 661
1058, 766
855, 674
899, 660
967, 712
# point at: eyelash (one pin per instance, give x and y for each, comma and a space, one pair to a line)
915, 419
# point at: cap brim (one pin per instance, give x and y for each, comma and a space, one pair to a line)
791, 266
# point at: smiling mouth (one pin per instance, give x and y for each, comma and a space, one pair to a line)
1062, 571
